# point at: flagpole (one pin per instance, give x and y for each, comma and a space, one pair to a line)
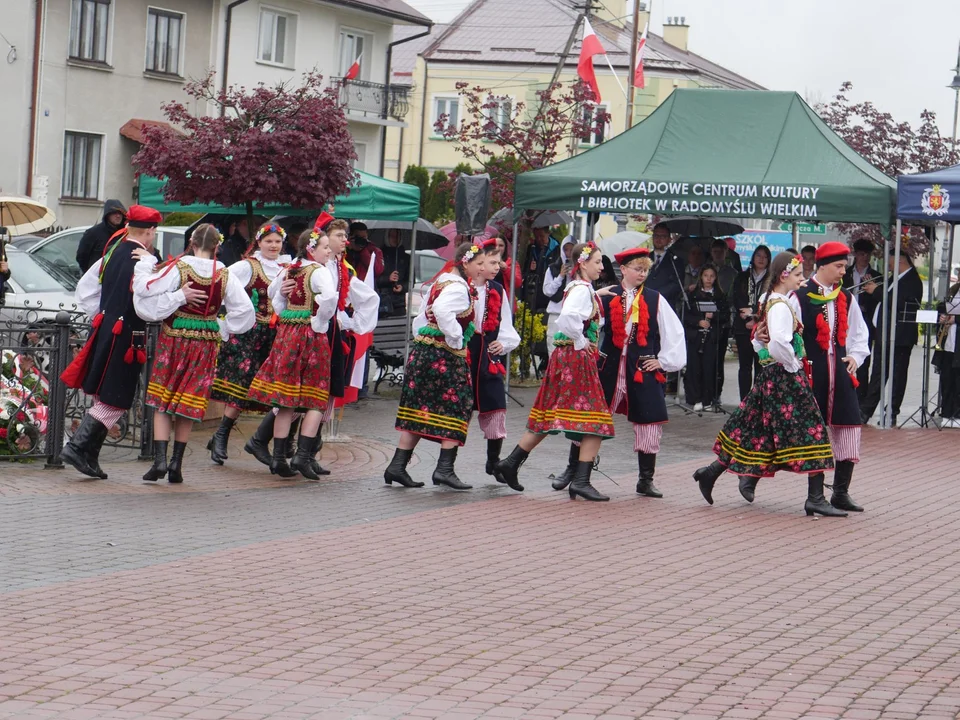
633, 65
615, 76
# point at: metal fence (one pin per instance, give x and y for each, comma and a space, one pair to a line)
38, 413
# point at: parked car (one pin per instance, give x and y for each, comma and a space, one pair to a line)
60, 249
36, 290
427, 264
25, 242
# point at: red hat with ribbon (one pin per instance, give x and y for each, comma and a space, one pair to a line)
832, 252
631, 254
323, 220
140, 216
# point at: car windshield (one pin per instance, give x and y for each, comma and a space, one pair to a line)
428, 266
31, 274
65, 277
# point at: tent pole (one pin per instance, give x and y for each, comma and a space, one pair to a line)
885, 329
513, 289
895, 278
796, 236
411, 280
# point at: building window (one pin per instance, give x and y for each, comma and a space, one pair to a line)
499, 110
597, 134
164, 31
449, 107
278, 33
81, 166
89, 28
352, 45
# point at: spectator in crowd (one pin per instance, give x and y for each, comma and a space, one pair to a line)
4, 277
234, 247
858, 281
508, 270
727, 274
94, 240
393, 281
747, 291
691, 273
809, 255
361, 253
540, 253
666, 275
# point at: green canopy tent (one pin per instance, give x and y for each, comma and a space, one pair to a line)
371, 198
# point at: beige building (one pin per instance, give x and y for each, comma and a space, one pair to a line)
514, 48
82, 77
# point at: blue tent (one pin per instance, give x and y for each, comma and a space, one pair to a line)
932, 196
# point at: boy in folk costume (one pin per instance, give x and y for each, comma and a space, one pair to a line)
190, 335
109, 365
643, 342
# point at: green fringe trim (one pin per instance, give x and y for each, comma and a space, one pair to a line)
182, 323
798, 347
295, 314
255, 298
438, 333
592, 333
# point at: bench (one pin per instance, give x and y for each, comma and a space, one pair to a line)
387, 349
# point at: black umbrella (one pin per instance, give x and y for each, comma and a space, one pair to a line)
703, 227
428, 236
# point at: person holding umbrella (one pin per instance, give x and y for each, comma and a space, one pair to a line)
392, 282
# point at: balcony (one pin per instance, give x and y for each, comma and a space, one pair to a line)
374, 100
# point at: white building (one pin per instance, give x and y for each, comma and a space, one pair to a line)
105, 67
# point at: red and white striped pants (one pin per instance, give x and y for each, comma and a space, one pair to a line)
493, 424
845, 442
106, 415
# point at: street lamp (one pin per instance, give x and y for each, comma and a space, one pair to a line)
955, 86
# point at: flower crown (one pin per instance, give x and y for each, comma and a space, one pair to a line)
470, 254
270, 229
794, 263
314, 239
220, 237
586, 253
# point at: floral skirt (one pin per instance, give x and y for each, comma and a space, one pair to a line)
297, 372
182, 375
437, 397
239, 360
778, 426
571, 398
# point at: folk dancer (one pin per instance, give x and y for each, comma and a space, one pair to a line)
437, 397
778, 426
189, 342
571, 398
243, 355
109, 366
296, 376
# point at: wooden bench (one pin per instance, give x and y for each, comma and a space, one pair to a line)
387, 349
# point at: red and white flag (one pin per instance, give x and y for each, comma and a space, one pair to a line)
638, 79
589, 47
354, 70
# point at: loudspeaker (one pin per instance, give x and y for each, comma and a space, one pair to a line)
472, 203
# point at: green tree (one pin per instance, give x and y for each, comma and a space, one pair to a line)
419, 176
438, 196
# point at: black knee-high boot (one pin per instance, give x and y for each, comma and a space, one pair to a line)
561, 481
841, 487
218, 443
159, 468
301, 460
444, 473
97, 438
278, 463
396, 471
175, 474
294, 429
506, 470
493, 454
315, 460
259, 443
77, 450
706, 478
581, 487
816, 502
748, 487
647, 465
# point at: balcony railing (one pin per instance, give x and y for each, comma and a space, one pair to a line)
374, 99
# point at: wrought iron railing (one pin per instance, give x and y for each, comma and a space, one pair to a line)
374, 99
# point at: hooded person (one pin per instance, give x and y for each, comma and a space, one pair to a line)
95, 238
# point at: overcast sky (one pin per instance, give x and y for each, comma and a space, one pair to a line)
897, 53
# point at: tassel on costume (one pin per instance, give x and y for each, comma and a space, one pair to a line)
638, 376
128, 356
97, 320
118, 326
274, 319
141, 356
661, 378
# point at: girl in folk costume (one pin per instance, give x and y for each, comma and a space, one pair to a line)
109, 366
437, 398
644, 340
571, 397
495, 337
190, 335
778, 426
296, 375
704, 329
241, 356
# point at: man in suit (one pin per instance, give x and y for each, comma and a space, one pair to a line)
667, 272
903, 336
858, 281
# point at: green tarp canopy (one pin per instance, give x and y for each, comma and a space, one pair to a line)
372, 198
728, 153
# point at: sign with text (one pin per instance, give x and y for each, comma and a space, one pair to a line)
805, 228
748, 240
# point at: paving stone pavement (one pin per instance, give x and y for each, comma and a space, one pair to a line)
240, 596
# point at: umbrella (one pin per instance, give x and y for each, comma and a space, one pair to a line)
703, 227
610, 246
428, 236
21, 215
450, 232
546, 218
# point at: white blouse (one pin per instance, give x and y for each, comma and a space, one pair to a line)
164, 296
780, 325
88, 289
243, 270
507, 335
577, 309
325, 295
361, 297
858, 335
452, 300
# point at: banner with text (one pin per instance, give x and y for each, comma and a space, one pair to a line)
748, 240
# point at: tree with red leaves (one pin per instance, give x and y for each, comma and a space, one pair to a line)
895, 148
278, 144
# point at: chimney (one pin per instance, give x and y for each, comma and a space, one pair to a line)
614, 11
643, 15
676, 32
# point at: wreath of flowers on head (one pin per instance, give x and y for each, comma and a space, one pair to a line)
270, 229
220, 240
314, 239
586, 253
791, 266
470, 254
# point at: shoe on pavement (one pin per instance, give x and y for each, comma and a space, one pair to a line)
698, 407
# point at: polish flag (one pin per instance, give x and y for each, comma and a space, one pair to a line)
589, 47
354, 70
638, 80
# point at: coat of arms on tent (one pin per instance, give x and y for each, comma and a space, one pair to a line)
935, 201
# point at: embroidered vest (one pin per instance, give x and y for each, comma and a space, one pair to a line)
301, 304
798, 342
431, 334
198, 322
591, 326
257, 290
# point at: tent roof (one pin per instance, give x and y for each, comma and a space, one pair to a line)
372, 198
918, 199
730, 153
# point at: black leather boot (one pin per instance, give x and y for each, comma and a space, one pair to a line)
493, 454
816, 502
301, 460
506, 470
645, 486
580, 485
218, 443
159, 468
75, 452
706, 478
294, 429
259, 443
396, 471
98, 436
315, 460
175, 474
748, 487
444, 473
278, 463
841, 488
561, 481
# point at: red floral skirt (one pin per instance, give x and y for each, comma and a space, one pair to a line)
571, 398
297, 372
182, 375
